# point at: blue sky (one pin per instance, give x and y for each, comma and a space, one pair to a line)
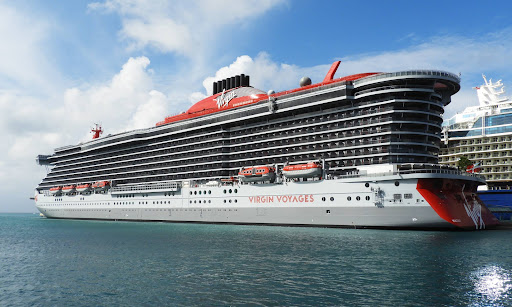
65, 65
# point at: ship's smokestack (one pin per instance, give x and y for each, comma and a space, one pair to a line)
229, 83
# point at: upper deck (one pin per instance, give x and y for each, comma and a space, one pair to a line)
358, 120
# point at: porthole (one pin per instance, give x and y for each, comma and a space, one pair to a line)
323, 198
230, 201
204, 192
397, 183
209, 192
230, 191
236, 201
224, 201
190, 192
332, 198
194, 201
367, 198
199, 201
195, 192
199, 192
349, 198
224, 191
358, 198
236, 191
209, 201
367, 184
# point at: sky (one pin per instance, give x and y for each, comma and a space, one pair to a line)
65, 65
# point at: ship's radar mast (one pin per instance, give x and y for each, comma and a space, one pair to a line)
97, 131
491, 93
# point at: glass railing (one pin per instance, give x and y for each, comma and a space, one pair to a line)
416, 171
407, 73
168, 186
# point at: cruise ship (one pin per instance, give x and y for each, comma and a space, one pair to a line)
359, 151
483, 134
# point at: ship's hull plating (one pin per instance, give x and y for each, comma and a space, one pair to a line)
499, 202
392, 203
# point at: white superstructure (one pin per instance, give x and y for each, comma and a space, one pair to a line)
483, 134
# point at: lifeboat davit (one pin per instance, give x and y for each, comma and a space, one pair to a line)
69, 189
55, 190
257, 173
83, 187
100, 185
310, 169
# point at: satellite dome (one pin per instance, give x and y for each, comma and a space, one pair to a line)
305, 81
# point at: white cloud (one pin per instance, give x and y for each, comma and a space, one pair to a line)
266, 74
23, 64
491, 54
34, 125
195, 97
148, 113
185, 27
114, 104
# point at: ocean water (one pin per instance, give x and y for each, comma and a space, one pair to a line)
45, 262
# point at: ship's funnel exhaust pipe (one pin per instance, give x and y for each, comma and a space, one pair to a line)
229, 83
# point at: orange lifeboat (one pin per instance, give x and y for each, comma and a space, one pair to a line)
257, 173
69, 189
55, 190
83, 187
310, 169
101, 185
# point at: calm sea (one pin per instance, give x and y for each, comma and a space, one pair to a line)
46, 262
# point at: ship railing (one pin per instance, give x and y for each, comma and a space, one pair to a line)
147, 188
293, 93
415, 171
390, 87
408, 73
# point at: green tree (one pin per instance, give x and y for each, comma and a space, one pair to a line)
464, 163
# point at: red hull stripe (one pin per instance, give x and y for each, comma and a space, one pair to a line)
456, 202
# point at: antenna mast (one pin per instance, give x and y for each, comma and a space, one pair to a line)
97, 131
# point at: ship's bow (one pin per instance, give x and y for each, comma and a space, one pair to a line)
456, 201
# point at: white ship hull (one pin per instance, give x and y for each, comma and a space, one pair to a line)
352, 202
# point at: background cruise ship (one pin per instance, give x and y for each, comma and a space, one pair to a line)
483, 134
356, 151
